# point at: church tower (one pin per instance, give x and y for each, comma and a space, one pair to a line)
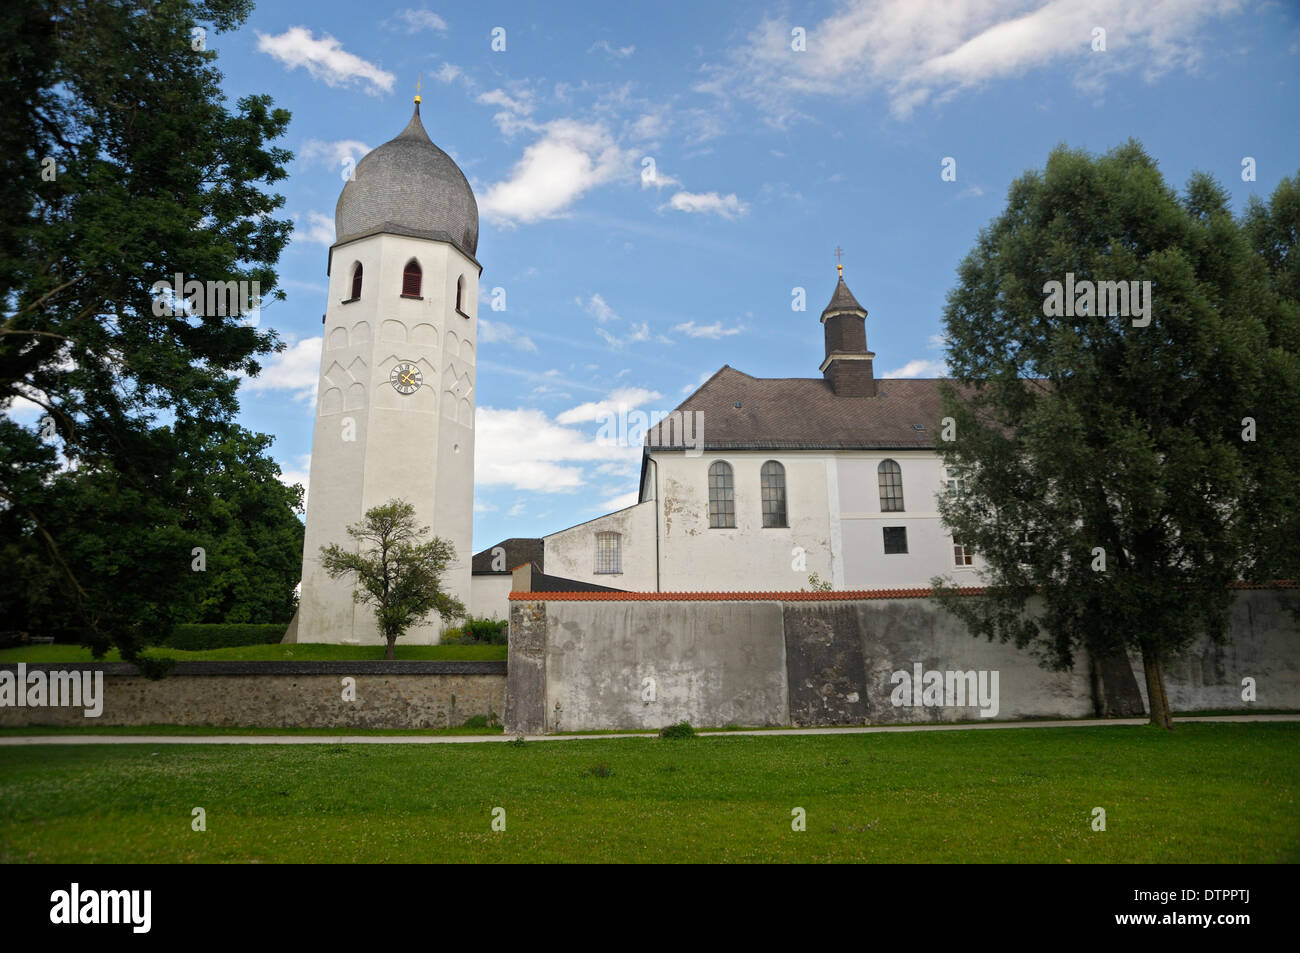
847, 367
395, 401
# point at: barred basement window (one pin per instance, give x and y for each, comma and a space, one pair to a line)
722, 501
891, 486
411, 278
609, 552
895, 540
356, 282
773, 478
961, 553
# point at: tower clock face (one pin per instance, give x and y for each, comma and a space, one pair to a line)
406, 378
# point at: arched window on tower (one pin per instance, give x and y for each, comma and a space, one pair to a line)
773, 479
722, 498
891, 486
460, 294
356, 282
411, 277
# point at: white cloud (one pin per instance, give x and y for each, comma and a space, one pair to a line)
621, 52
325, 59
319, 229
447, 73
332, 154
493, 333
900, 46
660, 180
937, 341
482, 506
919, 368
639, 332
625, 398
597, 308
570, 159
527, 450
418, 20
713, 331
295, 369
728, 206
499, 97
620, 502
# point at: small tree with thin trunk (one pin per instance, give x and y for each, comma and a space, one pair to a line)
396, 571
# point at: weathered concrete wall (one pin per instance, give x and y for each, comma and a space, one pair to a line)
815, 661
308, 694
1264, 644
645, 665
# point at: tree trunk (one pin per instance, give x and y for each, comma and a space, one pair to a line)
1157, 698
388, 654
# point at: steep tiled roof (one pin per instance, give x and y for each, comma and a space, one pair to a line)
843, 300
519, 550
803, 413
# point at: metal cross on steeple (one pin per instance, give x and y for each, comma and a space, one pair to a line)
839, 254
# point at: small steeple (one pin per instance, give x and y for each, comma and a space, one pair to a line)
848, 364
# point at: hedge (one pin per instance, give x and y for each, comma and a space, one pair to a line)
224, 635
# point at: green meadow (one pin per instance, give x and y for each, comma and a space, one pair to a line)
1217, 793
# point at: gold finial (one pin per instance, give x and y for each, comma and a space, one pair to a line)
417, 89
838, 255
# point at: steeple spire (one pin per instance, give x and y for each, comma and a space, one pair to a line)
847, 368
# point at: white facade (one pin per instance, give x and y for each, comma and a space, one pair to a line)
373, 443
834, 516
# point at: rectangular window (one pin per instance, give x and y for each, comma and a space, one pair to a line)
895, 540
961, 553
608, 552
956, 480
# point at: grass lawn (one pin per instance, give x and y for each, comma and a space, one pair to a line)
301, 652
1206, 792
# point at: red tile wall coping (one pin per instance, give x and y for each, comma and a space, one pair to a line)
839, 595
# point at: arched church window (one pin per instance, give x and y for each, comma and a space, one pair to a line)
356, 282
411, 277
773, 477
891, 486
460, 294
722, 497
609, 553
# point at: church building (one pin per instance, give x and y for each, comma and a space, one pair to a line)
760, 483
750, 484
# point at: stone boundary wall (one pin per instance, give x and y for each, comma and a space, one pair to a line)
424, 694
593, 661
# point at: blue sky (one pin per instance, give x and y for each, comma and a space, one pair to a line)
619, 291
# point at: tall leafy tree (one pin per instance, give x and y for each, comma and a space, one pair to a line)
1110, 469
121, 165
395, 570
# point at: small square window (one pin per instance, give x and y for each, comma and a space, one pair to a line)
962, 554
895, 540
